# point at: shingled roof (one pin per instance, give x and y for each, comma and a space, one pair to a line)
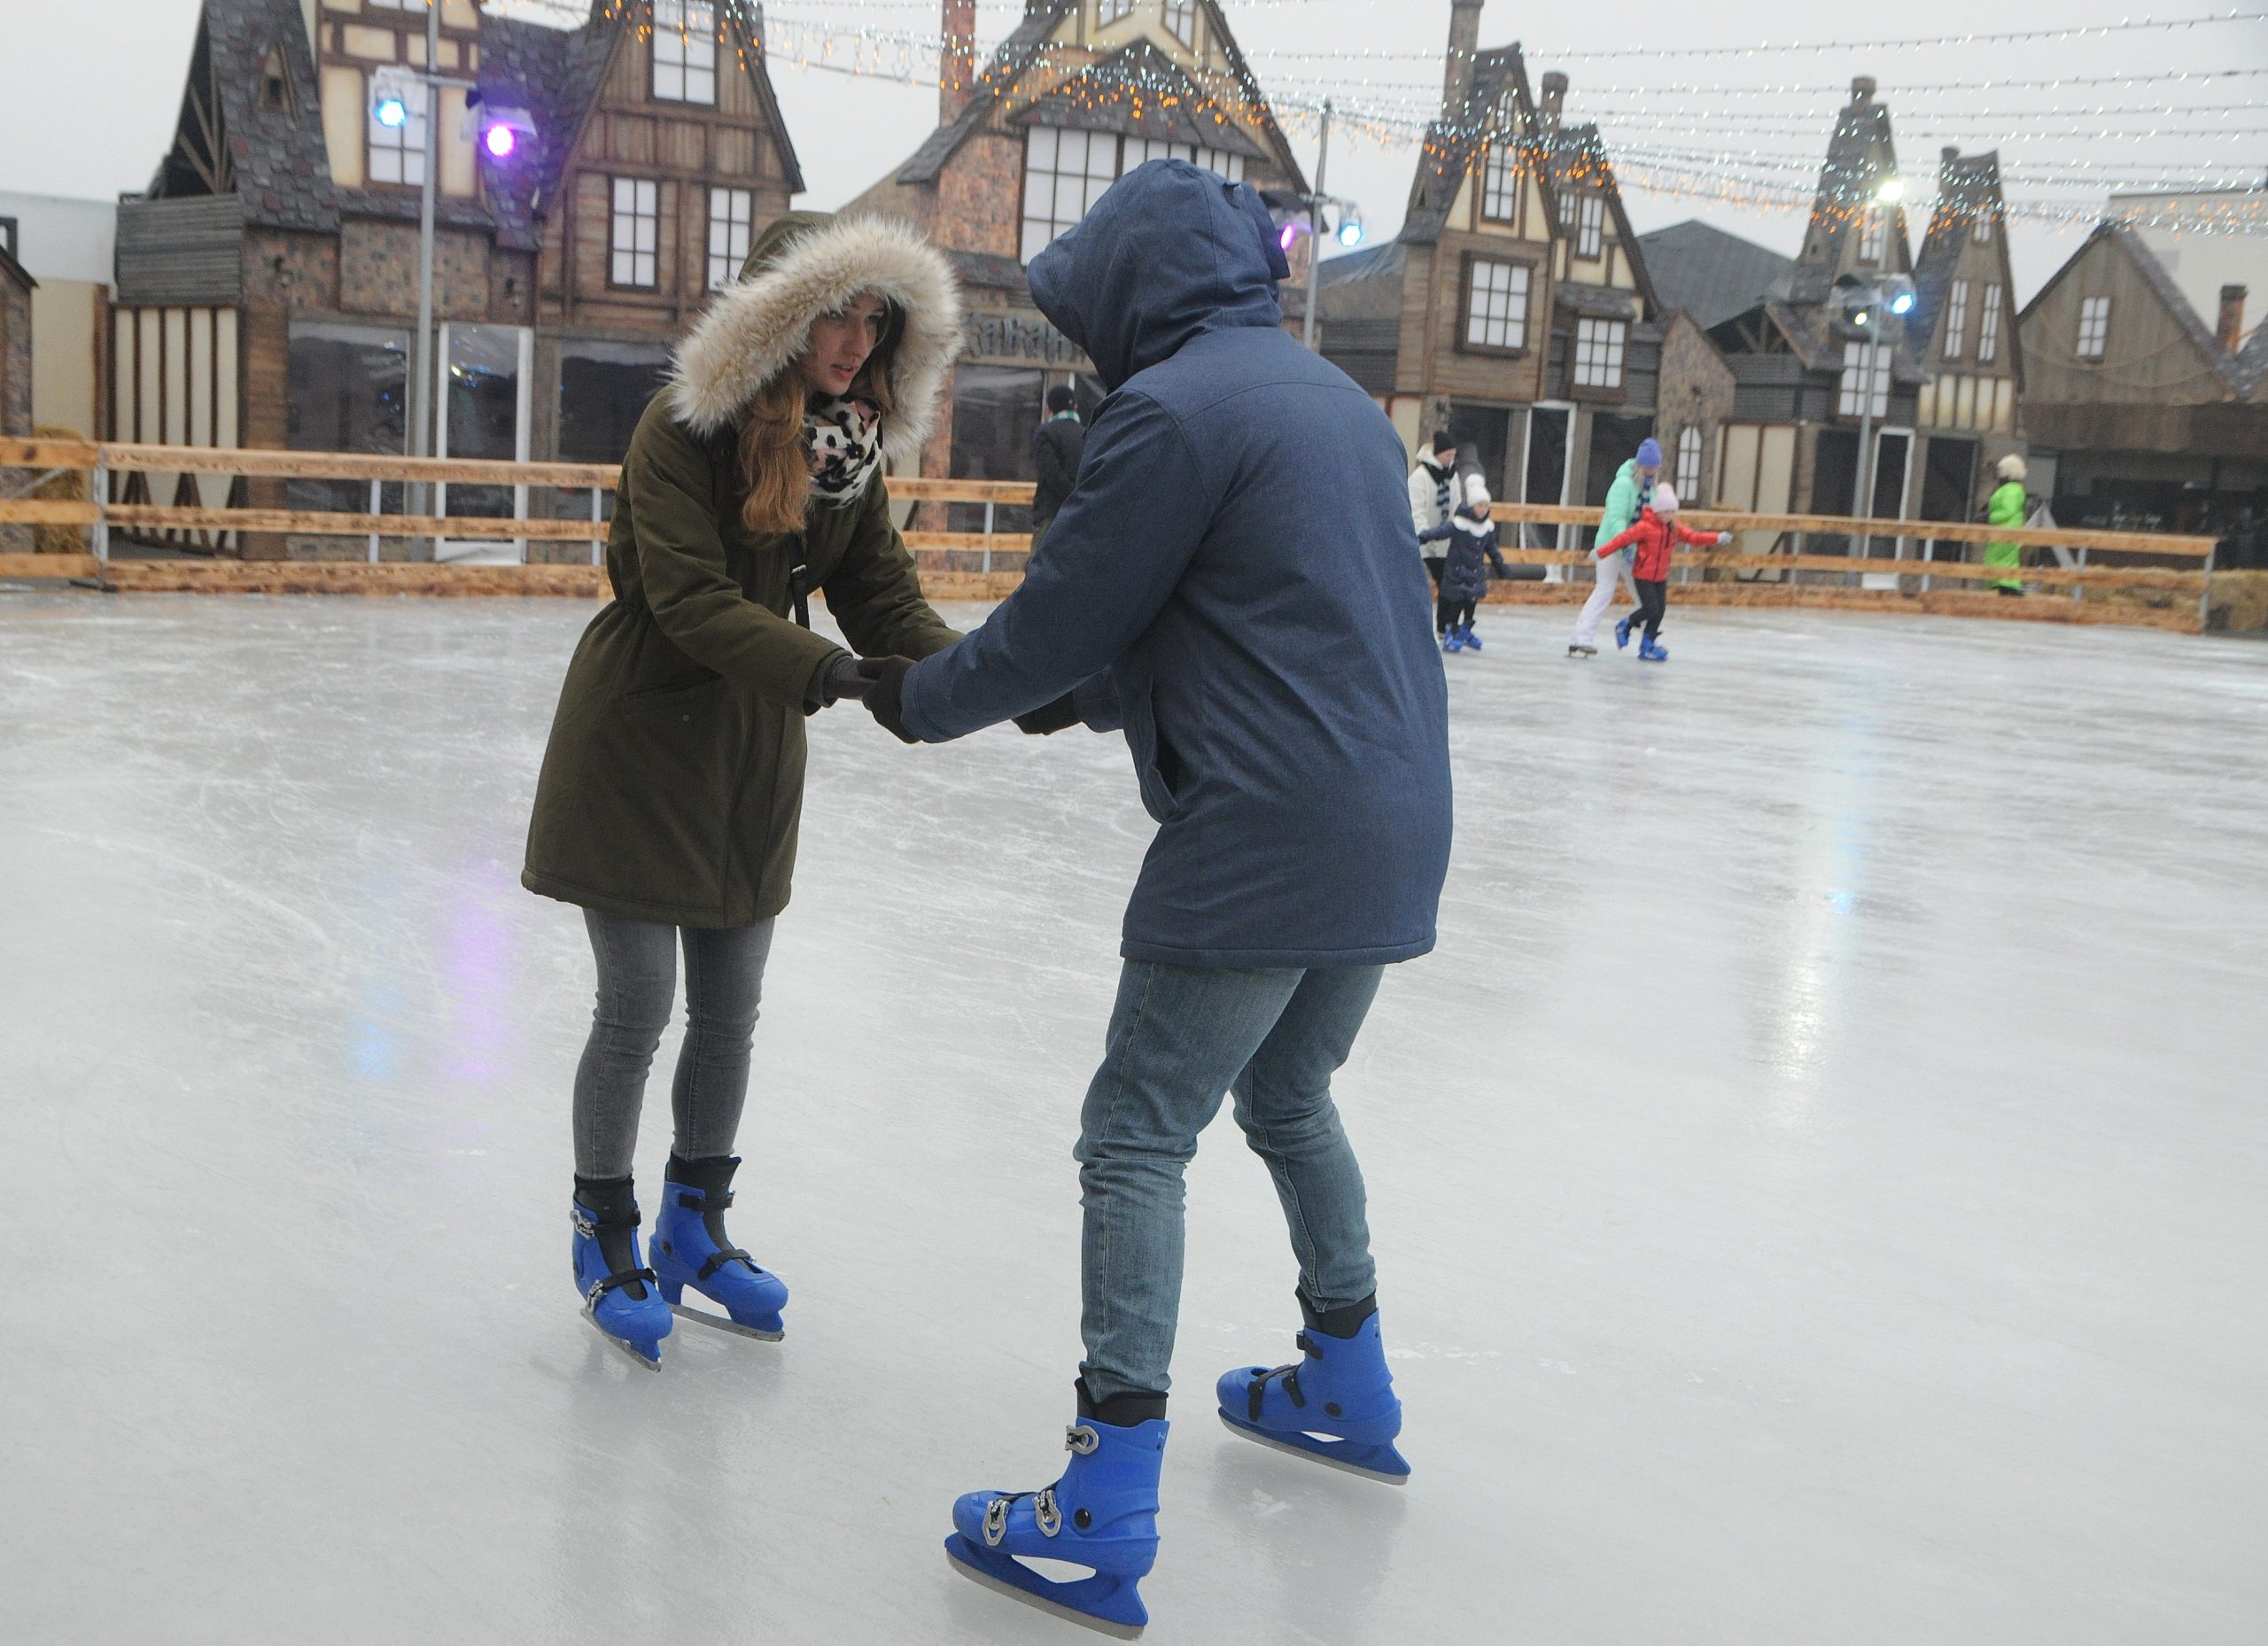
1451, 146
274, 160
1968, 188
2240, 372
1859, 149
1712, 275
1188, 115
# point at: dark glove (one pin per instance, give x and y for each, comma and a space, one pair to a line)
1434, 534
844, 679
884, 678
1050, 719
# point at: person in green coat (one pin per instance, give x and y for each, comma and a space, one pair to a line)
673, 781
2006, 508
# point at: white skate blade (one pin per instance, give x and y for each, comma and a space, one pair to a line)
1040, 1603
1305, 1456
723, 1322
613, 1342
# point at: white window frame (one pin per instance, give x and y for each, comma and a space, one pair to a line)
1689, 465
1497, 292
1874, 234
1983, 231
732, 227
1599, 347
1988, 328
1956, 319
685, 51
1500, 184
1111, 11
1181, 21
1056, 200
1853, 381
635, 233
2095, 326
398, 153
1591, 226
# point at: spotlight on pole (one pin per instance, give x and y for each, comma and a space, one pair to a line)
501, 127
394, 94
1350, 229
1893, 190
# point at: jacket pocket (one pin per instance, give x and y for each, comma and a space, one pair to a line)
667, 694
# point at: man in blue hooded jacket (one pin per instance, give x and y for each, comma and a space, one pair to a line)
1233, 584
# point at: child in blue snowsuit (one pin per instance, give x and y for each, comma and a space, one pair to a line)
1464, 574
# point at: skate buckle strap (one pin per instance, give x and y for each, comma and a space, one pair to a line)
702, 1200
1044, 1510
1080, 1439
1257, 1391
723, 1256
621, 1278
996, 1521
591, 1227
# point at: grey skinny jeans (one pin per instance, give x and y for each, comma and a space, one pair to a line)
637, 966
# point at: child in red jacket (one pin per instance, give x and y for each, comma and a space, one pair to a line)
1656, 534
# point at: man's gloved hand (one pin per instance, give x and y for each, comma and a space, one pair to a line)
1050, 719
884, 678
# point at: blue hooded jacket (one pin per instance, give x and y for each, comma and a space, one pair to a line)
1233, 582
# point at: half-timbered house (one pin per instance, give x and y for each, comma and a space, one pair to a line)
1080, 92
1962, 333
267, 279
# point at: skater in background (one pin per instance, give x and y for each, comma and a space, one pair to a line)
2007, 507
1653, 539
1633, 484
1433, 501
671, 788
1464, 574
1055, 448
1230, 584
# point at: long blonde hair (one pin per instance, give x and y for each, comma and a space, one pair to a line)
772, 461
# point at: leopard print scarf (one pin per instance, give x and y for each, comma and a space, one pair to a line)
842, 442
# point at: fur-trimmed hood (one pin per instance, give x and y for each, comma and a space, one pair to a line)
804, 265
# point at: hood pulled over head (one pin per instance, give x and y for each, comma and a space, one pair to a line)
803, 264
1169, 251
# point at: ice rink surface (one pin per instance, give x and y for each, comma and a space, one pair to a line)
1820, 1182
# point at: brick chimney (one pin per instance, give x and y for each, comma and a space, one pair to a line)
1862, 88
957, 62
1464, 39
1553, 101
2231, 330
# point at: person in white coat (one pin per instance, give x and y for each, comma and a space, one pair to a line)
1633, 484
1434, 502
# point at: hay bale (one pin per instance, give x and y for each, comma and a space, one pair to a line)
2239, 603
69, 486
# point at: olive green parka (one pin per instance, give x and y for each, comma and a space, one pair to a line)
673, 781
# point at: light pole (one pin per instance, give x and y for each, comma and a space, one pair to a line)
1315, 222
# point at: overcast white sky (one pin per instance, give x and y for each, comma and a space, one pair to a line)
92, 87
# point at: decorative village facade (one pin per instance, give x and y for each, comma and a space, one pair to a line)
267, 279
1081, 92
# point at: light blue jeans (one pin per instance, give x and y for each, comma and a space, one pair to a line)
1180, 1039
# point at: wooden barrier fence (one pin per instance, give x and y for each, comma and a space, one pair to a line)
104, 462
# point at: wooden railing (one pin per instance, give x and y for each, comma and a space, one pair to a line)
101, 516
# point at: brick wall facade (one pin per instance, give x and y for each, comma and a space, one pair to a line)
1695, 392
15, 385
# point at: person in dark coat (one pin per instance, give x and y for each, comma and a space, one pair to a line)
673, 784
1465, 570
1233, 584
1055, 448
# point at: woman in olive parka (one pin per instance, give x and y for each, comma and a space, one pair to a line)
673, 780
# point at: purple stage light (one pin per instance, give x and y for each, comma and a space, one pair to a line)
1289, 233
502, 142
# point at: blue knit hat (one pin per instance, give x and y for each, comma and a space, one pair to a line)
1650, 453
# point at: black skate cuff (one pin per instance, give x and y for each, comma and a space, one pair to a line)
711, 1173
607, 1200
1337, 1323
1120, 1411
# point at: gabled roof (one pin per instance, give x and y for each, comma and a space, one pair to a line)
1388, 257
279, 165
2240, 372
274, 161
1579, 160
1181, 113
1857, 151
1452, 144
1712, 275
1968, 188
14, 272
1026, 47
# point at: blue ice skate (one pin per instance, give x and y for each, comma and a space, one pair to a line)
1102, 1514
1652, 653
1472, 640
1622, 635
690, 1248
618, 1295
1336, 1404
1453, 642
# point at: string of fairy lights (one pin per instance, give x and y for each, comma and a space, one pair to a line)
1720, 161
